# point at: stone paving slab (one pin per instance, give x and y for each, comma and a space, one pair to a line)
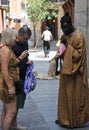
31, 117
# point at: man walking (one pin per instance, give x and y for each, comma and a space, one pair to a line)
47, 37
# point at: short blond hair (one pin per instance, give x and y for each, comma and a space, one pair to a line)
8, 36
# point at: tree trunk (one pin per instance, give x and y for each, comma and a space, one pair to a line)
35, 43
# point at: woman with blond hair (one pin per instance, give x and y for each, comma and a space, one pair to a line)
9, 73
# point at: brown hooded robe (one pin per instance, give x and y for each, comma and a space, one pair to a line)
73, 88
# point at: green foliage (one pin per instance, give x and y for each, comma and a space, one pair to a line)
38, 10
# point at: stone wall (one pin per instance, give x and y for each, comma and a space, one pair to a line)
82, 22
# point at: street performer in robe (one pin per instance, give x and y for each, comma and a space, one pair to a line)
73, 88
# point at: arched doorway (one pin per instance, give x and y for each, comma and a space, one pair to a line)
53, 26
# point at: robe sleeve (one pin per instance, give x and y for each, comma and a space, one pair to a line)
78, 50
74, 57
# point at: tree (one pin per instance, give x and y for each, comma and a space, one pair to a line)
39, 10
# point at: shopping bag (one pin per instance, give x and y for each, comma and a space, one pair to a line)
62, 49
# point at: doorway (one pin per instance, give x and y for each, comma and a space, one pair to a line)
53, 27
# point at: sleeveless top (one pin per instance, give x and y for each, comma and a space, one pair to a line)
14, 74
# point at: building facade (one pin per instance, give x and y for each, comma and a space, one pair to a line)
13, 14
3, 13
82, 22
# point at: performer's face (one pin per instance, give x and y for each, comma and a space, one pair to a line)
67, 28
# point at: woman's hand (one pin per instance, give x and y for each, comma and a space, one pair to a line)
11, 91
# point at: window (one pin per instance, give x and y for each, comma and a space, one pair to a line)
4, 2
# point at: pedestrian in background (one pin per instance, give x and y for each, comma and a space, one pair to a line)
47, 37
73, 88
21, 45
9, 74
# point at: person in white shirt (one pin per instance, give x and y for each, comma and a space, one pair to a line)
47, 37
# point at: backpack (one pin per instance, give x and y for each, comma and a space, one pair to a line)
30, 80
